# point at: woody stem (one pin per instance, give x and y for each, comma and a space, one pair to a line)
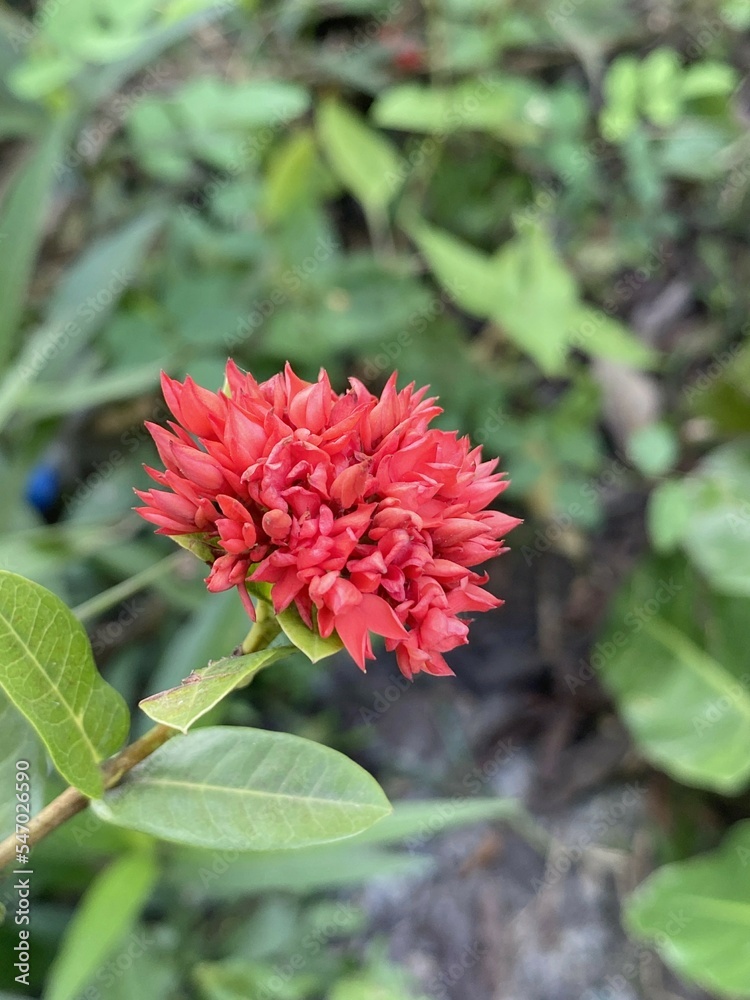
70, 802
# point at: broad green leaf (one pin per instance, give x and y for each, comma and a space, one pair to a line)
314, 646
689, 714
18, 742
696, 914
669, 514
306, 870
602, 336
180, 707
465, 273
717, 536
654, 449
104, 917
360, 859
524, 288
22, 215
508, 107
364, 161
535, 298
245, 789
47, 671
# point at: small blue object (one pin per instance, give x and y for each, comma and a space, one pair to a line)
43, 487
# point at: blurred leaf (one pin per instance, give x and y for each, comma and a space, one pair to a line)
364, 160
465, 273
717, 536
238, 980
50, 398
105, 915
602, 336
47, 670
620, 90
689, 713
511, 108
661, 83
18, 742
302, 871
90, 289
313, 645
696, 914
534, 298
291, 175
22, 218
180, 707
695, 150
245, 789
670, 511
654, 449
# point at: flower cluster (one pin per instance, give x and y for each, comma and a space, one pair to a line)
348, 505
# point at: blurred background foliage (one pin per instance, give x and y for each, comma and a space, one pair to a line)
539, 207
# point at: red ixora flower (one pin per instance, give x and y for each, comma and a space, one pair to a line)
348, 505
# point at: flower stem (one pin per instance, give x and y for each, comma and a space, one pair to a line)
70, 802
264, 630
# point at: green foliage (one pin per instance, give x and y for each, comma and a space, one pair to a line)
696, 914
245, 789
686, 702
312, 644
180, 707
48, 673
708, 514
106, 914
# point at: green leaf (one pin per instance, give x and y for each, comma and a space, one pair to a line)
654, 449
535, 298
305, 870
619, 116
696, 914
314, 646
245, 789
180, 707
689, 714
602, 336
465, 273
717, 538
105, 915
364, 161
47, 670
508, 107
18, 742
669, 514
